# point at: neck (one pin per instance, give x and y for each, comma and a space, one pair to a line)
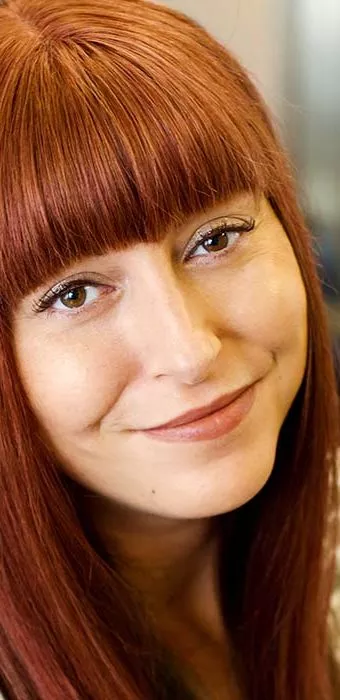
172, 563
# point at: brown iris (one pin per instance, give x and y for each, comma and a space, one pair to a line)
216, 242
74, 297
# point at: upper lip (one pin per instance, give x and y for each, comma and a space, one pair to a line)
206, 410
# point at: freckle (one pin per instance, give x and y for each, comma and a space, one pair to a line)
153, 491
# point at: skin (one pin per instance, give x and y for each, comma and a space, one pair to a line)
177, 336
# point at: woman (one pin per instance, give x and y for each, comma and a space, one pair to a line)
168, 403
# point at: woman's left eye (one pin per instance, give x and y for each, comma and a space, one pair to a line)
219, 237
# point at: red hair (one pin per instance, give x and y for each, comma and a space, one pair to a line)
118, 119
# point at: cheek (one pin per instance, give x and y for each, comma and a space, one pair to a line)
268, 307
280, 313
70, 387
268, 313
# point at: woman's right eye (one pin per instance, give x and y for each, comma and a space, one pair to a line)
71, 297
76, 297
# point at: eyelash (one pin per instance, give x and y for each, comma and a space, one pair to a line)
245, 227
56, 293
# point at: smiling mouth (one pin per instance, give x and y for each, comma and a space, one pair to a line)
215, 420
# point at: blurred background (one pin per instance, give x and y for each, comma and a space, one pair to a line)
291, 48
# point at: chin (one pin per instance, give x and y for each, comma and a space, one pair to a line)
231, 490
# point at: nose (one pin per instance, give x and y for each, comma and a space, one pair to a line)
173, 334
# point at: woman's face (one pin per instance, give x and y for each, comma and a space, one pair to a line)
160, 329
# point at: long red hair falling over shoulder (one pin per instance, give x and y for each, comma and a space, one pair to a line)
118, 119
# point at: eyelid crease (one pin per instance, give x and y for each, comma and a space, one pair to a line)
228, 219
81, 276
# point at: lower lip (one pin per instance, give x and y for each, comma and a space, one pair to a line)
210, 427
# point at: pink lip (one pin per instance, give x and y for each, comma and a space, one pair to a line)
213, 421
